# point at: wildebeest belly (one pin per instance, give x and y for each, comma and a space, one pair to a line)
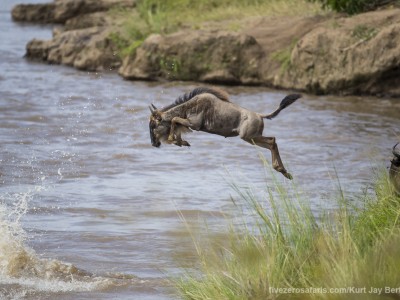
221, 122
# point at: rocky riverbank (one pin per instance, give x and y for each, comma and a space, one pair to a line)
321, 55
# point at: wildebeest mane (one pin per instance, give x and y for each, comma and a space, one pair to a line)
220, 94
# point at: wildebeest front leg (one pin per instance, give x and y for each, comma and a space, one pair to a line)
269, 143
178, 141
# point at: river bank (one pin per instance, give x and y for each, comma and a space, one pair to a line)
319, 54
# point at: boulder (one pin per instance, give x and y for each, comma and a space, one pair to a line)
84, 42
90, 20
359, 55
37, 13
60, 11
85, 49
209, 56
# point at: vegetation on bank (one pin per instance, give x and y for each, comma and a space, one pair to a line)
354, 6
291, 254
167, 16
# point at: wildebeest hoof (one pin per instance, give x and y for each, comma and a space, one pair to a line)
181, 143
177, 143
284, 172
288, 175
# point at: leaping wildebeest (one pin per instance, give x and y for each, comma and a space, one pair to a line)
209, 110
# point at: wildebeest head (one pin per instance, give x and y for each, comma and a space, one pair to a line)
396, 158
159, 128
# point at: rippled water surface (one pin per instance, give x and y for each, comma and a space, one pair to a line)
88, 209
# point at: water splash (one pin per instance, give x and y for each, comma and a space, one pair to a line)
22, 271
13, 253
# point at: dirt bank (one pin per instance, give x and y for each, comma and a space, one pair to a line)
326, 54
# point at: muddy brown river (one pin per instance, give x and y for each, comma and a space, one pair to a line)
89, 209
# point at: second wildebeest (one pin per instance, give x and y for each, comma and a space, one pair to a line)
210, 110
394, 172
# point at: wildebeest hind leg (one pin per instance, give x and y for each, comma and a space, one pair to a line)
269, 143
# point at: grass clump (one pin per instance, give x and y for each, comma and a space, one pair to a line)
364, 32
288, 253
283, 57
130, 34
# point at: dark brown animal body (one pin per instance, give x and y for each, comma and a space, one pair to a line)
394, 172
209, 110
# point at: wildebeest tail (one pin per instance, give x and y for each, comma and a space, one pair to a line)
289, 99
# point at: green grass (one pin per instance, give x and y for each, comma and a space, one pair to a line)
130, 34
283, 57
355, 246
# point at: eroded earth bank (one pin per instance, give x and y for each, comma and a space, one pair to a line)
328, 54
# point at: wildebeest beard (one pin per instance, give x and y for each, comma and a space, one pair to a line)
152, 126
159, 131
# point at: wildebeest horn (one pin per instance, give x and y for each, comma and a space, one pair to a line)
396, 153
153, 108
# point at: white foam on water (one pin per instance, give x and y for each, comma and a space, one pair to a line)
56, 286
22, 270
